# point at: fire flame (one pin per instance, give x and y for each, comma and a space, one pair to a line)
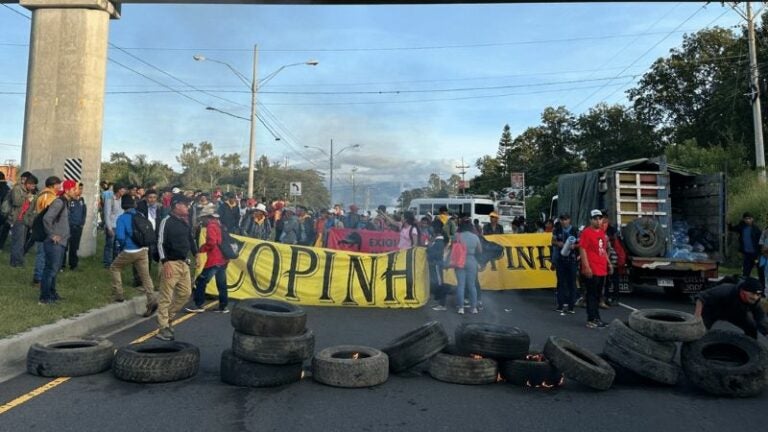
476, 356
545, 384
302, 374
355, 356
535, 357
499, 378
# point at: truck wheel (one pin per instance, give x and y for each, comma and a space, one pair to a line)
644, 237
238, 372
263, 317
156, 362
667, 325
641, 364
624, 336
463, 370
726, 364
274, 350
579, 364
70, 357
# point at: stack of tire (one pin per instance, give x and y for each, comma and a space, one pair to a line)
646, 346
269, 345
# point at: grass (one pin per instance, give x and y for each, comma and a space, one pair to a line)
87, 288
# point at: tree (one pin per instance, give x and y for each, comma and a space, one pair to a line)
201, 167
504, 153
139, 170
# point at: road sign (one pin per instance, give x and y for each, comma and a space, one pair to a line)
295, 189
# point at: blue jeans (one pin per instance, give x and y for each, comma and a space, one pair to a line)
566, 283
54, 254
109, 249
37, 275
18, 238
466, 279
220, 272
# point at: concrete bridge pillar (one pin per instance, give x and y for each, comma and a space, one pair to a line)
65, 94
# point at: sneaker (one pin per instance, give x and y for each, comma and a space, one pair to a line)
194, 309
439, 308
151, 309
119, 299
480, 305
581, 302
165, 334
591, 325
560, 310
460, 311
474, 311
571, 311
562, 313
46, 302
466, 302
600, 323
222, 310
602, 305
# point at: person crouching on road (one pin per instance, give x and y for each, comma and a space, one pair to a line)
215, 264
174, 245
737, 303
131, 254
593, 248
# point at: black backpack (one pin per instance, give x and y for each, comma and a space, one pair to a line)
229, 247
143, 233
38, 228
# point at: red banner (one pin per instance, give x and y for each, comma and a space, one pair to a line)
362, 240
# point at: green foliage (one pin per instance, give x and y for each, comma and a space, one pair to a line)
436, 188
705, 160
139, 170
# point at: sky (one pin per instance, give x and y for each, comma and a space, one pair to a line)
419, 87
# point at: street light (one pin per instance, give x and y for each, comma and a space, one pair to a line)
254, 85
331, 155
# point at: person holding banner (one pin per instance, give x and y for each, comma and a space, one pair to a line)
467, 276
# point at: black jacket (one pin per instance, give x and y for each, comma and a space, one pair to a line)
722, 303
174, 239
756, 231
230, 217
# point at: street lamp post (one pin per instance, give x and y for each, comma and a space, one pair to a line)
254, 86
331, 155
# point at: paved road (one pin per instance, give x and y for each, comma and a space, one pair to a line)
203, 403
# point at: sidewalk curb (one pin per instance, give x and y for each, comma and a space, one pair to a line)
14, 349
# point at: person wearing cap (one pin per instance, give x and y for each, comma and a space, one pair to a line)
737, 303
595, 266
215, 264
566, 266
131, 254
383, 221
229, 213
40, 203
493, 227
256, 224
56, 225
174, 245
749, 242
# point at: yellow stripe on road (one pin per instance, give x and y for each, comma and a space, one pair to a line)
58, 381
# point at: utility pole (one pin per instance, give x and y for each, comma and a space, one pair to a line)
463, 170
252, 145
354, 188
754, 91
331, 173
367, 197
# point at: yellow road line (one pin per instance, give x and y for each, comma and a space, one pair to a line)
58, 381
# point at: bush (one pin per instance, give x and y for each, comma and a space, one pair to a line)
745, 194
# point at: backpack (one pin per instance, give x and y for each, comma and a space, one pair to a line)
458, 254
38, 228
31, 215
5, 207
229, 247
143, 233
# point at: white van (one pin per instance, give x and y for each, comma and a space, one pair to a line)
476, 207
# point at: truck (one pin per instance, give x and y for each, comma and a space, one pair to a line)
672, 220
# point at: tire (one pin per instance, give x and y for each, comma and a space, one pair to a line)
156, 362
643, 365
335, 367
579, 364
667, 325
463, 370
238, 372
70, 357
416, 346
725, 363
644, 237
625, 337
529, 372
274, 350
494, 341
625, 376
272, 318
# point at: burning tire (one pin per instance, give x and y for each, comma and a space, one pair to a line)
534, 371
578, 363
726, 364
667, 325
70, 357
274, 350
463, 370
495, 341
624, 336
643, 365
350, 366
238, 372
156, 362
416, 346
271, 318
644, 237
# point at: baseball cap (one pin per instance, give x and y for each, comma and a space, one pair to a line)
752, 285
179, 199
595, 212
175, 190
68, 185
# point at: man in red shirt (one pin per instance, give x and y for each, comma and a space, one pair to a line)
595, 266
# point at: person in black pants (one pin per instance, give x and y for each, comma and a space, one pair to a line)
77, 212
595, 266
5, 194
749, 241
737, 303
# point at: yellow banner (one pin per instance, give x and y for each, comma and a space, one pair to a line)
523, 261
325, 277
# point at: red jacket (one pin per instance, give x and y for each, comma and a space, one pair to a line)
211, 246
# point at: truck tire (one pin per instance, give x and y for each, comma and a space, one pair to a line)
725, 363
156, 362
667, 325
416, 346
644, 237
529, 372
70, 357
625, 376
494, 341
463, 370
262, 317
624, 336
643, 365
274, 350
335, 366
579, 364
238, 372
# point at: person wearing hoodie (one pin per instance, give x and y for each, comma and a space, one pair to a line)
131, 254
56, 226
215, 264
229, 213
449, 224
290, 234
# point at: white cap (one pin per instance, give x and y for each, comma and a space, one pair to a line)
261, 207
175, 190
595, 212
